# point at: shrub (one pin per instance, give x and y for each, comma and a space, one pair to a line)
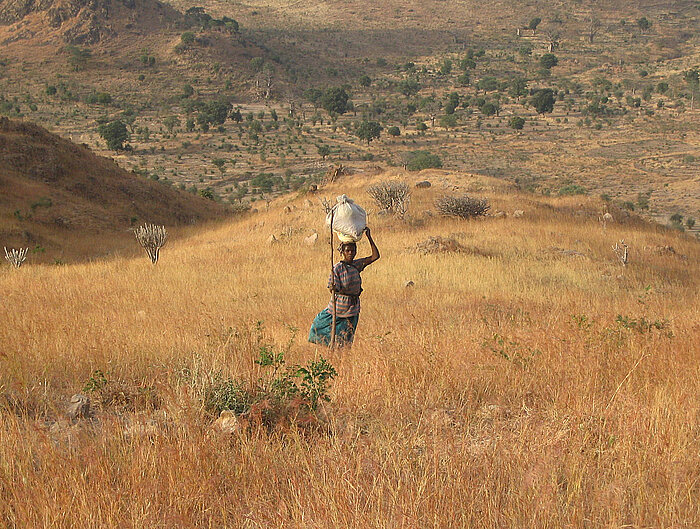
516, 122
391, 195
284, 391
464, 207
572, 189
548, 60
420, 160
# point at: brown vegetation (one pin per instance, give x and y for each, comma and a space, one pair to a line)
518, 388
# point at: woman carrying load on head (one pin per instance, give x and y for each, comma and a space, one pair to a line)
346, 281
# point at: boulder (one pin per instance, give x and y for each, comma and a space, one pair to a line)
408, 284
227, 423
518, 213
424, 184
79, 407
311, 239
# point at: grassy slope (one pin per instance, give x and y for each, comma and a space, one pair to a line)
498, 391
63, 198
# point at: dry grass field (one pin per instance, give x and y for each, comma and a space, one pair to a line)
529, 380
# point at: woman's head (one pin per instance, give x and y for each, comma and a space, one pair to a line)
348, 250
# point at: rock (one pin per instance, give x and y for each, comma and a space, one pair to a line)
518, 213
313, 188
423, 184
272, 240
439, 245
608, 218
408, 284
311, 239
79, 407
287, 209
500, 214
565, 252
227, 423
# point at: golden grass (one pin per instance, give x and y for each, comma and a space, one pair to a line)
499, 391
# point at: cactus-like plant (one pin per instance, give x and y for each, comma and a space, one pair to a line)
152, 238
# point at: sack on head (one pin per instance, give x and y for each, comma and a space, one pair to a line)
349, 219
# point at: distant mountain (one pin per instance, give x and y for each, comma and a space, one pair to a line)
87, 21
55, 194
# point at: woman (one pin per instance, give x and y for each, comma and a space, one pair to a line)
347, 283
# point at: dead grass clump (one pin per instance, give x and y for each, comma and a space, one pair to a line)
439, 245
463, 207
119, 396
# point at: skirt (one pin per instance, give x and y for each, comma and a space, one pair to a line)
320, 332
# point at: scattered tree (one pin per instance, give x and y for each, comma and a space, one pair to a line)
115, 134
543, 100
335, 100
548, 60
516, 122
368, 131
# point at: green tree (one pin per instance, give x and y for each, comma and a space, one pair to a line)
368, 131
517, 87
187, 91
220, 163
365, 80
448, 121
115, 134
534, 23
171, 122
692, 79
335, 100
409, 87
548, 60
488, 109
324, 150
187, 38
516, 122
313, 96
543, 100
643, 24
393, 131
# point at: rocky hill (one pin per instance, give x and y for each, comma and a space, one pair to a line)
84, 21
58, 196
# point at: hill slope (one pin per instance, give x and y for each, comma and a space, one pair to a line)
528, 380
59, 197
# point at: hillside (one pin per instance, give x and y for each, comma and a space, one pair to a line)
524, 378
63, 201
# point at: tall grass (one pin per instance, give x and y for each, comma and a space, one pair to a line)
511, 386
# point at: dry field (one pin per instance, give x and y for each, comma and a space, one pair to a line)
529, 380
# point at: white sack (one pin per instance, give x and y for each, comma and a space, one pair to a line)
349, 220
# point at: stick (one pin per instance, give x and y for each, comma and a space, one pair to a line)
332, 283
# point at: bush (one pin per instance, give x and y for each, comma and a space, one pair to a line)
391, 196
516, 122
548, 60
572, 189
290, 392
420, 160
464, 207
393, 131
